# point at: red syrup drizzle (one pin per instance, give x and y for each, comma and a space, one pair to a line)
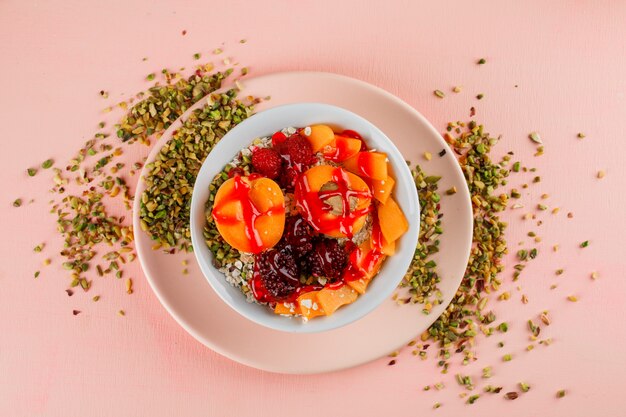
250, 213
313, 207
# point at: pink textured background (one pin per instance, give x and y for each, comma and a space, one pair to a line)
568, 59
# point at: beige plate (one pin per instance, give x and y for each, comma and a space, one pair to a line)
194, 305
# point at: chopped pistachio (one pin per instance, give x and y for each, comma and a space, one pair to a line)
439, 93
534, 136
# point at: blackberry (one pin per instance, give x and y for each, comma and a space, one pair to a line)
328, 259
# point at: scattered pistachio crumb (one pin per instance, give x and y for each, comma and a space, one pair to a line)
428, 156
594, 275
451, 191
534, 136
457, 89
480, 96
36, 274
572, 298
96, 298
17, 202
481, 61
584, 244
196, 56
524, 386
217, 51
150, 76
121, 313
601, 174
580, 135
439, 93
508, 357
560, 393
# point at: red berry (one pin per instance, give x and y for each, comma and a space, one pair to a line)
267, 161
299, 150
278, 138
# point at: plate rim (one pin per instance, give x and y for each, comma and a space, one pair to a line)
167, 134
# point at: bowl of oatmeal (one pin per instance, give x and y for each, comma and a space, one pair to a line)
304, 217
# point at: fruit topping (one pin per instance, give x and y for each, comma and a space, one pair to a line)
331, 299
298, 235
333, 201
298, 150
318, 136
368, 164
392, 222
341, 148
328, 259
267, 162
276, 275
249, 213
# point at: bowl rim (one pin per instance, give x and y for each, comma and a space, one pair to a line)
217, 280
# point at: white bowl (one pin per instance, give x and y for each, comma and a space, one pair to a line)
299, 115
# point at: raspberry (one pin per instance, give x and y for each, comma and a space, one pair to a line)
328, 259
278, 273
299, 150
298, 235
266, 161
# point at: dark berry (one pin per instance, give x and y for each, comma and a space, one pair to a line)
298, 235
267, 161
288, 177
328, 259
277, 272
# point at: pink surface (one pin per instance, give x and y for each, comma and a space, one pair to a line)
567, 59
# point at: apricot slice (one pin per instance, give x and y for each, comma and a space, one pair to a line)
309, 305
379, 242
286, 309
381, 189
369, 164
319, 136
334, 201
359, 285
341, 148
249, 213
332, 299
365, 260
392, 221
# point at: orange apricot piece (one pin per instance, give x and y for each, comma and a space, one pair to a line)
309, 305
332, 299
393, 223
249, 214
319, 136
368, 164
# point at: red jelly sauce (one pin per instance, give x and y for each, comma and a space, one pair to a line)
313, 207
250, 213
361, 264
